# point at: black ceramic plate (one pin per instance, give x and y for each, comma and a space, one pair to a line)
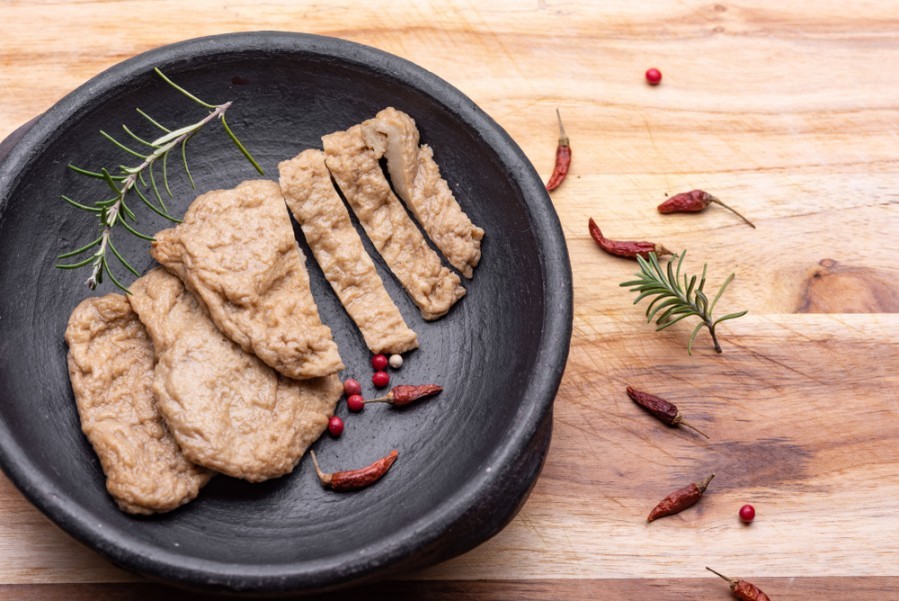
468, 458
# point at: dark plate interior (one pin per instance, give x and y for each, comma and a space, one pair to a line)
467, 458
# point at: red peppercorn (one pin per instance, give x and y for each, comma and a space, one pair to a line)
355, 403
653, 76
747, 513
335, 426
380, 379
351, 387
379, 362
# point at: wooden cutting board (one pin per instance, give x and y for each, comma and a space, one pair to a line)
786, 110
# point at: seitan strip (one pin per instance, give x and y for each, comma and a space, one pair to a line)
337, 248
228, 410
111, 362
432, 287
416, 178
236, 251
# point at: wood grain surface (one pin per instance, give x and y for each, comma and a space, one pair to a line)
786, 110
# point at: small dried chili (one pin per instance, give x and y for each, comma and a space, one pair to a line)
661, 409
405, 394
355, 479
742, 590
693, 202
628, 249
563, 158
679, 500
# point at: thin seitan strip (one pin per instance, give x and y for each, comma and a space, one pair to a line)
432, 287
337, 248
236, 251
111, 362
416, 178
228, 410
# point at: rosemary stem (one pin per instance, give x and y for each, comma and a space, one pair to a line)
711, 328
98, 259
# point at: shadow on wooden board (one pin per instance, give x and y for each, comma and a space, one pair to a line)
657, 589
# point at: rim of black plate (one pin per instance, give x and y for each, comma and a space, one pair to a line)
144, 558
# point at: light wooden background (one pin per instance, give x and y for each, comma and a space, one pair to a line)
788, 110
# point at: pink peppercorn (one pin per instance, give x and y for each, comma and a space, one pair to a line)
379, 362
380, 379
747, 513
653, 76
335, 426
355, 403
351, 387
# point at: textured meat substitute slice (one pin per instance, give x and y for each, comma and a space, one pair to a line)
228, 410
432, 287
314, 202
237, 253
111, 368
416, 178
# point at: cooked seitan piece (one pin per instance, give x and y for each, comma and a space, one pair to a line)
236, 251
111, 368
337, 248
416, 178
354, 165
228, 410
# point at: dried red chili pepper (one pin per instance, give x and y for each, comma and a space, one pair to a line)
354, 479
693, 202
742, 590
563, 158
626, 249
679, 499
661, 409
405, 394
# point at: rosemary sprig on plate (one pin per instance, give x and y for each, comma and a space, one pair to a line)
675, 301
124, 179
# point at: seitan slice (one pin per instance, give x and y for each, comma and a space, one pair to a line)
416, 178
236, 251
337, 248
228, 411
432, 287
111, 368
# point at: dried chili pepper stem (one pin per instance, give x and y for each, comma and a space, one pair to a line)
322, 476
742, 590
629, 249
661, 409
405, 394
354, 479
563, 158
695, 201
679, 500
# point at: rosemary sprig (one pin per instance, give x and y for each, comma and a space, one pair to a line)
114, 211
674, 301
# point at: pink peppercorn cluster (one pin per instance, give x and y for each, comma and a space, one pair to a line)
380, 378
353, 389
